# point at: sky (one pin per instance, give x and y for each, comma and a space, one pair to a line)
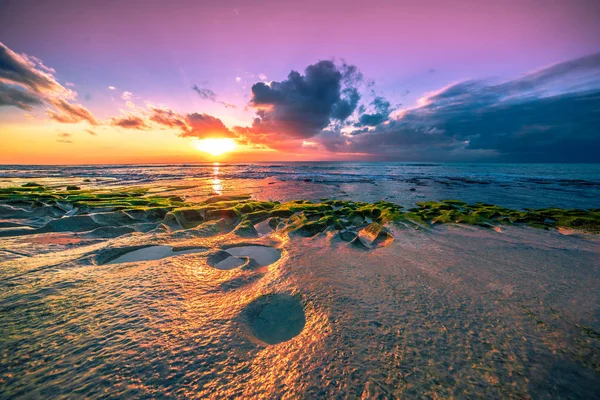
144, 81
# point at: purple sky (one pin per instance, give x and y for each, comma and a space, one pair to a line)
160, 47
158, 50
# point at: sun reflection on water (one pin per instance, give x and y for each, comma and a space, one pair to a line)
216, 182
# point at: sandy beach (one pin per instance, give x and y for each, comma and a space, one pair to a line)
184, 298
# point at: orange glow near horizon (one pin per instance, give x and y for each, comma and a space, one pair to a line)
216, 147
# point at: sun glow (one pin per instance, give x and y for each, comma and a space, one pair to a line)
215, 147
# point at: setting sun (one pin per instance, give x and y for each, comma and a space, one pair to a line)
215, 147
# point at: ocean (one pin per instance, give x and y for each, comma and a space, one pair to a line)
510, 185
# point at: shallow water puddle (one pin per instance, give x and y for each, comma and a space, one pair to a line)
153, 253
262, 255
275, 318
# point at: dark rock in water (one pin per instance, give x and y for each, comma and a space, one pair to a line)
275, 318
87, 180
307, 180
346, 235
245, 229
412, 189
73, 187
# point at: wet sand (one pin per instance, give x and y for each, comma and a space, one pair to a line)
452, 311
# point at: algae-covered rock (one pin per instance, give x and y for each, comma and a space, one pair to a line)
226, 213
310, 228
188, 217
217, 199
374, 235
245, 229
73, 187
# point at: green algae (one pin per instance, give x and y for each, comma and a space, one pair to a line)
300, 217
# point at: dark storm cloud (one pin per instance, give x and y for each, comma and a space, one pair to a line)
11, 96
303, 105
382, 109
550, 115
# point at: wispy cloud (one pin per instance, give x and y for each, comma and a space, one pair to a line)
129, 122
64, 138
208, 94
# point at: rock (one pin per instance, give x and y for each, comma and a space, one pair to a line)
217, 199
309, 229
346, 235
358, 244
245, 229
226, 213
375, 234
188, 217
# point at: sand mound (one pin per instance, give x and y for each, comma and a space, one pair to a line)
275, 318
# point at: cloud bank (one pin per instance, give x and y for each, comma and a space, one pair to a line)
550, 115
26, 82
301, 106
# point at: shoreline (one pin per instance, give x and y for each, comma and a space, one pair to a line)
138, 292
